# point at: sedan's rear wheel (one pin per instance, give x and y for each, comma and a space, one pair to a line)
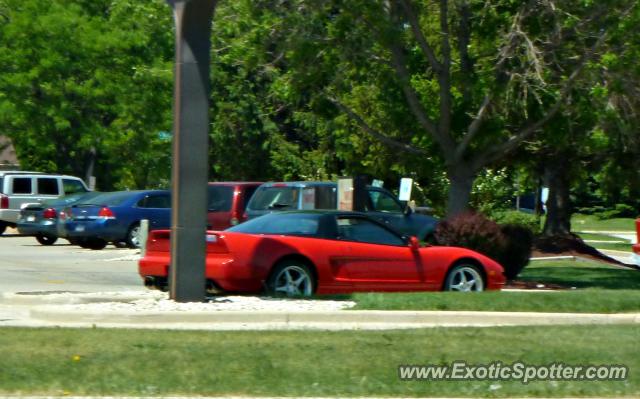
464, 278
95, 244
291, 279
46, 240
133, 236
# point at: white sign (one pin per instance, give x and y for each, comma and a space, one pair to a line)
345, 194
406, 184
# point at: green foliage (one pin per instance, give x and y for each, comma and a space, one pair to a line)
518, 218
89, 83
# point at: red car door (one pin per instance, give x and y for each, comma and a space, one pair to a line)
375, 258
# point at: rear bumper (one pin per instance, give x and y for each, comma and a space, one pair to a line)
47, 228
106, 230
220, 269
9, 215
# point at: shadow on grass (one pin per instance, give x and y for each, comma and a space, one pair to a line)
581, 277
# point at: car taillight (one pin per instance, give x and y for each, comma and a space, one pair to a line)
106, 213
4, 202
49, 213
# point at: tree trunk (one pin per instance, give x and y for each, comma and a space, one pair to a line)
461, 182
90, 164
556, 178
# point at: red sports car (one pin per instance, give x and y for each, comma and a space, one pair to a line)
304, 253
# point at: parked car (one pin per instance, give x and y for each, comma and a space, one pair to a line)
18, 188
115, 217
302, 253
381, 204
227, 203
44, 221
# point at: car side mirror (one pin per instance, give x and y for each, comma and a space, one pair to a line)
414, 244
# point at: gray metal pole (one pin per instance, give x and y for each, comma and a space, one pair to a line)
190, 149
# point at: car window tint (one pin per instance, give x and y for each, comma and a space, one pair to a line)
326, 197
383, 202
21, 185
220, 198
294, 224
362, 230
48, 186
156, 201
71, 186
275, 198
111, 199
248, 193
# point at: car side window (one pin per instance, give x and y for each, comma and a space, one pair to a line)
155, 201
362, 230
48, 186
383, 202
21, 185
71, 186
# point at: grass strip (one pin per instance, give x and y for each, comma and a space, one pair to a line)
267, 363
576, 301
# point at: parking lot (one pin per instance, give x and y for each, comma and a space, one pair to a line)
27, 266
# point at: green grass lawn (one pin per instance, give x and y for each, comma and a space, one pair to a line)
268, 363
601, 289
581, 222
603, 241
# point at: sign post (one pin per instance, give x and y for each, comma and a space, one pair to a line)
189, 173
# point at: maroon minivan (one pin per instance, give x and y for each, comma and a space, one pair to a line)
227, 202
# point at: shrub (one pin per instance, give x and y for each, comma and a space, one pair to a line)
474, 231
517, 251
510, 244
619, 211
527, 220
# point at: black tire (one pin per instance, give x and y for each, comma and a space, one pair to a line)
291, 278
95, 244
3, 227
464, 277
133, 236
46, 240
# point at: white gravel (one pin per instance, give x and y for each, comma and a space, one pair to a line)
156, 301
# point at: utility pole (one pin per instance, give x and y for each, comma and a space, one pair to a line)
190, 168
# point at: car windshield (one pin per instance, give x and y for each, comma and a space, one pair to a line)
109, 199
281, 224
275, 198
220, 198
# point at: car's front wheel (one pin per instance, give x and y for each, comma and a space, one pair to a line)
464, 278
46, 240
291, 279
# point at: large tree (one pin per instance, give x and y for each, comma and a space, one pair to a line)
473, 77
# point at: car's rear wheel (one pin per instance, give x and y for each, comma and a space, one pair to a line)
3, 227
464, 278
94, 243
46, 240
292, 279
133, 236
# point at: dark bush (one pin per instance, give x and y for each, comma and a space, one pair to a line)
474, 231
517, 251
510, 244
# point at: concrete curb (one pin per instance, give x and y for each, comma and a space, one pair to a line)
348, 319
